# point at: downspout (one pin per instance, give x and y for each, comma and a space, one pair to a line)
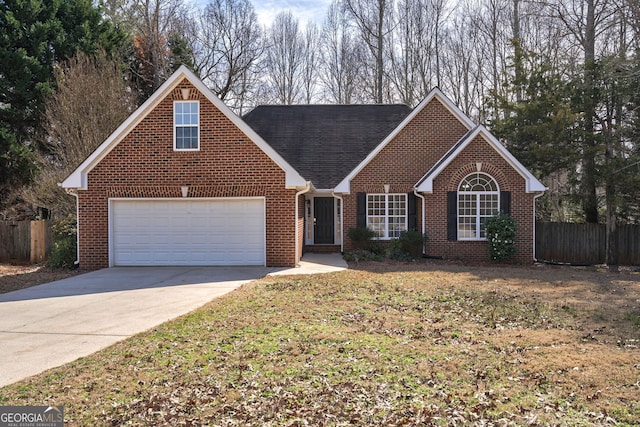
424, 249
535, 258
341, 220
297, 245
74, 193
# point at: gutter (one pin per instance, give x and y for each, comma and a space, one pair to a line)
74, 193
535, 258
424, 249
297, 227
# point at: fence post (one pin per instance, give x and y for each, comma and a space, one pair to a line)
40, 241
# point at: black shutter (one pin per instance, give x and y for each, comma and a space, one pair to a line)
452, 215
505, 202
361, 210
412, 207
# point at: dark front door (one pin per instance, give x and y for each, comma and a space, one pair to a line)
323, 220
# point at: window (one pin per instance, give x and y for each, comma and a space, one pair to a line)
186, 123
387, 214
478, 199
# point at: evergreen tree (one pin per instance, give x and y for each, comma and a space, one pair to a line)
35, 36
540, 125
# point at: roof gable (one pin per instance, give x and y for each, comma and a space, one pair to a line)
78, 178
344, 185
425, 184
325, 142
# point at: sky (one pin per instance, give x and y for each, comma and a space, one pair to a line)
304, 10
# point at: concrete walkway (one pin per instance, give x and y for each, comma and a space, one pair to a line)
315, 264
55, 323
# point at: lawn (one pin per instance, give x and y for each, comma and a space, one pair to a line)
402, 344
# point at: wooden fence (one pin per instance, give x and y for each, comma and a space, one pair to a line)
25, 241
585, 243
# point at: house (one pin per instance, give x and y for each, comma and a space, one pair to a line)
185, 181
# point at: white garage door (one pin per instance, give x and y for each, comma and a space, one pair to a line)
187, 232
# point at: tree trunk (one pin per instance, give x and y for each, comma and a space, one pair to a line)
589, 182
612, 227
517, 50
380, 57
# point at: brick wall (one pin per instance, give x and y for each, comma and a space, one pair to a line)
478, 151
412, 153
144, 164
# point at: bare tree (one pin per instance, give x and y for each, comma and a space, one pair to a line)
311, 62
228, 47
633, 8
464, 64
285, 55
341, 57
90, 102
495, 43
416, 47
155, 23
407, 52
375, 21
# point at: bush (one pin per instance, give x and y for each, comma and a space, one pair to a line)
501, 234
407, 247
362, 238
358, 255
412, 242
63, 253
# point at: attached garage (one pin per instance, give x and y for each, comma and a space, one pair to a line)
174, 232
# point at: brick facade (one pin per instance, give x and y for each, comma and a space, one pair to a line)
144, 164
406, 159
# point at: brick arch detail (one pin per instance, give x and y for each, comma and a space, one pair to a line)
194, 94
487, 168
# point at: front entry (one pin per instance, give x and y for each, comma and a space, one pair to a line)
323, 218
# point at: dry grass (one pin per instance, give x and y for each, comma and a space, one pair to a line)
403, 344
14, 277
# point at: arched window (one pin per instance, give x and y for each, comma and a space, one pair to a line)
478, 199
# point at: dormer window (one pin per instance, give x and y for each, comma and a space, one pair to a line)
186, 125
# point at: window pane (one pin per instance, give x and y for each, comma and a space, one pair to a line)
186, 138
467, 228
376, 205
386, 214
478, 182
377, 224
396, 226
478, 199
186, 125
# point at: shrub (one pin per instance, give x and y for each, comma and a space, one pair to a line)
501, 234
358, 255
407, 247
361, 238
63, 253
412, 242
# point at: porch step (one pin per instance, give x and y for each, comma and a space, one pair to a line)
322, 249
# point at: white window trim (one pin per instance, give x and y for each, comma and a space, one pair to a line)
386, 216
175, 126
477, 195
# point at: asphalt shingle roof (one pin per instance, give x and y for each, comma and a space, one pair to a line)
325, 142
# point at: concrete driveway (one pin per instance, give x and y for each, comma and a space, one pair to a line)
52, 324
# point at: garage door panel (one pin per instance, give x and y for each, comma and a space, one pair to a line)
179, 232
